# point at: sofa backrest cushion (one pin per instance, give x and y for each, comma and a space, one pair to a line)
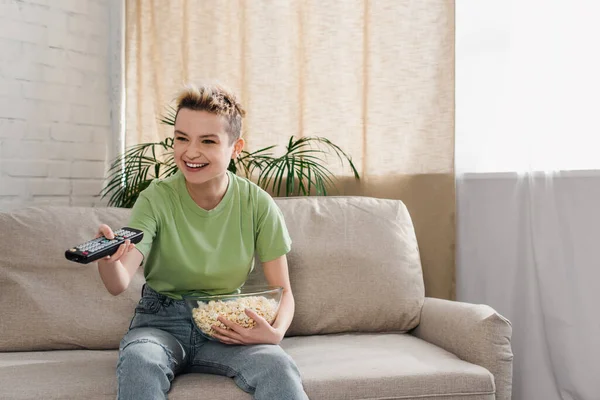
354, 266
51, 303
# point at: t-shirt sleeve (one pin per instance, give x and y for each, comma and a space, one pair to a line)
143, 218
272, 237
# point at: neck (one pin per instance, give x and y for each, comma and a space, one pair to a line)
209, 194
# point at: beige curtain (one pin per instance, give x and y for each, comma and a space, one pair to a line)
375, 77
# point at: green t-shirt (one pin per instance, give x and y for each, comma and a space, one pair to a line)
189, 249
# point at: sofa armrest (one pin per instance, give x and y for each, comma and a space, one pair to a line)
475, 333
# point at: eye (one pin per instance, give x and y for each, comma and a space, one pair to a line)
208, 141
181, 139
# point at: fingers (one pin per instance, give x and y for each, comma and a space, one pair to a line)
104, 230
235, 331
257, 318
225, 336
226, 340
261, 333
231, 325
121, 251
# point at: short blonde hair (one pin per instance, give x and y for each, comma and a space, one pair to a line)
215, 99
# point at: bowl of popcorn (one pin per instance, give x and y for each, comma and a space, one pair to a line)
205, 309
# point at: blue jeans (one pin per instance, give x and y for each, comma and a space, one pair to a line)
162, 343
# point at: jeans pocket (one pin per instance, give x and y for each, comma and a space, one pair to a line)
148, 305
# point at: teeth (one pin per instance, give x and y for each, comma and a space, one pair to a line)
195, 165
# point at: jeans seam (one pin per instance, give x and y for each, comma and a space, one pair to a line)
119, 386
225, 368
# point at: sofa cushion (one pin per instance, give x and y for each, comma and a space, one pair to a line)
385, 366
354, 266
333, 367
49, 302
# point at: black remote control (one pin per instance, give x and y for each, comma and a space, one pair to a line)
100, 247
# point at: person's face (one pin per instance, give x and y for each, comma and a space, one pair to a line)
201, 148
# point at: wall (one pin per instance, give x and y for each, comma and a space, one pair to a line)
55, 101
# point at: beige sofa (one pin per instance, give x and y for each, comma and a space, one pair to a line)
362, 330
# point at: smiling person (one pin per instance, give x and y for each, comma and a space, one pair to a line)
202, 227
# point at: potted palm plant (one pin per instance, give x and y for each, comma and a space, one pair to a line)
299, 171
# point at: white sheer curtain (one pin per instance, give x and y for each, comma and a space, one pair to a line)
528, 184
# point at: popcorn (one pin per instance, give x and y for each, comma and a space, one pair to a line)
206, 314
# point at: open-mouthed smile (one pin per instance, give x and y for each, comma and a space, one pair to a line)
195, 166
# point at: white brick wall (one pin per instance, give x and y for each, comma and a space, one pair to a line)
55, 101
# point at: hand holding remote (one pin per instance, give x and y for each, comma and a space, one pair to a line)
116, 263
107, 247
104, 230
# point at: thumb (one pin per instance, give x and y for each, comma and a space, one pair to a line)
105, 231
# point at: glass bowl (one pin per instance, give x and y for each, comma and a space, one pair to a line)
204, 309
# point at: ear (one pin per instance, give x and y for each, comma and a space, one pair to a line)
238, 146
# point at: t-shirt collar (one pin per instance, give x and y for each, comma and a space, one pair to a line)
191, 204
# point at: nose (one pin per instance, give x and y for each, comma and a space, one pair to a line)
193, 152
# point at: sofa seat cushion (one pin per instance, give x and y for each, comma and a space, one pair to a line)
333, 367
385, 366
